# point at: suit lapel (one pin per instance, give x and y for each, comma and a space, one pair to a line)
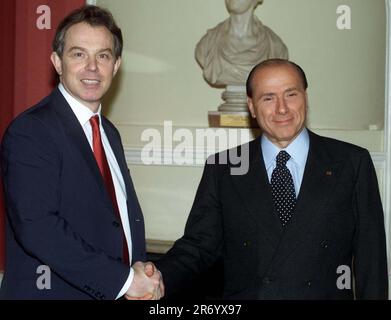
77, 138
117, 148
254, 189
320, 176
134, 211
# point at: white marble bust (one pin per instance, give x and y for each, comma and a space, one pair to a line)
228, 52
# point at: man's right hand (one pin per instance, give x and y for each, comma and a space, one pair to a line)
147, 283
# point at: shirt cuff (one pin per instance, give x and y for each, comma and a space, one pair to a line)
127, 284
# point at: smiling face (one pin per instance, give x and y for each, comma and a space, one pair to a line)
88, 63
279, 102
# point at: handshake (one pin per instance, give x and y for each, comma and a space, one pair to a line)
147, 283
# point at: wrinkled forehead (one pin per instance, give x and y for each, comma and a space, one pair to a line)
278, 73
86, 35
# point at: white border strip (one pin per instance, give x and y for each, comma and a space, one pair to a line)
91, 2
387, 135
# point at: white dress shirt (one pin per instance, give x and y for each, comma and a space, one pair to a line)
84, 114
297, 149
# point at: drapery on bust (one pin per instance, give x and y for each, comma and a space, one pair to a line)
227, 52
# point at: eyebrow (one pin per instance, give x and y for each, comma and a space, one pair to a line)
292, 89
76, 48
107, 49
267, 94
287, 90
272, 94
85, 50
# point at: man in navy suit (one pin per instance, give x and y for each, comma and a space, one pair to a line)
304, 222
74, 224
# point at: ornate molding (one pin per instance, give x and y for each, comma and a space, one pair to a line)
133, 157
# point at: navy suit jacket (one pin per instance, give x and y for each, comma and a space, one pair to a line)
58, 211
338, 222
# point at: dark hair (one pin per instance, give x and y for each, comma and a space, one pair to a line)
94, 16
274, 62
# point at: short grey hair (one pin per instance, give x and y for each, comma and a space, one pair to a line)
94, 16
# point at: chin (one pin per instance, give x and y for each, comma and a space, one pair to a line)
92, 99
286, 137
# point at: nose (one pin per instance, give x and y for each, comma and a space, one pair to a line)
92, 64
281, 107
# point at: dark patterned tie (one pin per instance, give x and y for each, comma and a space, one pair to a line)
283, 190
104, 168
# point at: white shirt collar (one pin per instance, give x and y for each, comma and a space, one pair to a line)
82, 112
297, 149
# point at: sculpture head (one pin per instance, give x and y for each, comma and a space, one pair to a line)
241, 6
227, 52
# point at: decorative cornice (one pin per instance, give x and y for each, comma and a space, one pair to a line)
199, 156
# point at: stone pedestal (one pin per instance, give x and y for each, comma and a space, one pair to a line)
235, 99
231, 119
234, 111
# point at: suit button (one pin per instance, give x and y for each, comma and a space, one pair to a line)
87, 288
115, 224
324, 245
246, 243
308, 283
267, 280
99, 295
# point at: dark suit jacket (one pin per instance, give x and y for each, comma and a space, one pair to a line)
58, 211
338, 221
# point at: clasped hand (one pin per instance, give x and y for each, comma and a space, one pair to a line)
147, 283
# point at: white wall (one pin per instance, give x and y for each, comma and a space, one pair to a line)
160, 80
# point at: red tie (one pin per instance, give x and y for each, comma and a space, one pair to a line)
104, 168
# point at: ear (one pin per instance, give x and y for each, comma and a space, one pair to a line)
116, 66
251, 106
306, 100
56, 60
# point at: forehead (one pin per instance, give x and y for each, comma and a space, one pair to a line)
87, 36
277, 76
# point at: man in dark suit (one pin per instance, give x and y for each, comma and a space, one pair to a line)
304, 222
74, 224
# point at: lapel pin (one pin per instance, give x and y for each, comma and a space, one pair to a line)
328, 173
